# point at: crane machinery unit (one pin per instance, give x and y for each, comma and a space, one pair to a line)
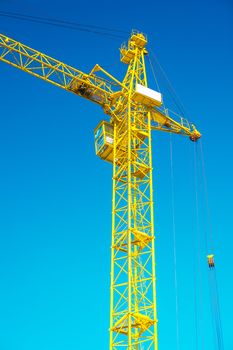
124, 140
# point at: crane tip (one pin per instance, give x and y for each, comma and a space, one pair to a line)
196, 135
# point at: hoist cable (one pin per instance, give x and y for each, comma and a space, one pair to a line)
174, 244
218, 316
214, 297
153, 73
209, 232
213, 286
65, 24
217, 325
170, 87
197, 273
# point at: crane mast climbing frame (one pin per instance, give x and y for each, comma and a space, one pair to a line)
125, 141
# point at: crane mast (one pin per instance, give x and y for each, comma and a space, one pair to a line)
133, 323
125, 141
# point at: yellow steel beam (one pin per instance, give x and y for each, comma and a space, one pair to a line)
111, 95
53, 71
133, 319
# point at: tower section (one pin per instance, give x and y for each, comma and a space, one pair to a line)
133, 320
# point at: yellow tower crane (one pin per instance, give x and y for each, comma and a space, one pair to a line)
124, 140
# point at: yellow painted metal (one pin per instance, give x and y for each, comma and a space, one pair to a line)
126, 142
53, 71
110, 93
104, 141
210, 259
133, 319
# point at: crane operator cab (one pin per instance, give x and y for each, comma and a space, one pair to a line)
104, 138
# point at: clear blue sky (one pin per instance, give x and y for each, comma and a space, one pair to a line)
55, 194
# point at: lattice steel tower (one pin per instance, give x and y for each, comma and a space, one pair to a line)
133, 294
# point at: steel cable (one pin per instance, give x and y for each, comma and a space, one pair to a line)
66, 24
170, 87
198, 246
174, 245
